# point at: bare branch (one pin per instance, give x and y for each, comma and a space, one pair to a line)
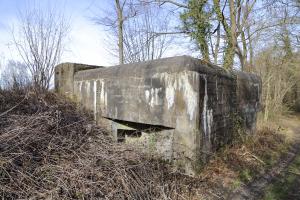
40, 42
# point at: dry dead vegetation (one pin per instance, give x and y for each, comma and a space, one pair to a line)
246, 159
51, 149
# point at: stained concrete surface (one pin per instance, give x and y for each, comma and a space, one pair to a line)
185, 109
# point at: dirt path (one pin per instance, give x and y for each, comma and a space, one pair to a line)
257, 189
279, 180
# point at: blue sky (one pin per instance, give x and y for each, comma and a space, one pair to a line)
85, 43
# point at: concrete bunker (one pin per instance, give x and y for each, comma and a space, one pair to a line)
179, 107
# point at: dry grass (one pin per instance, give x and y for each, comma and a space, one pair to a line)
246, 158
49, 149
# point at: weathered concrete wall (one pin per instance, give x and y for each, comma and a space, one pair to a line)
64, 77
180, 107
248, 98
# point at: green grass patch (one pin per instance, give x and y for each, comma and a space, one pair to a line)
246, 175
285, 185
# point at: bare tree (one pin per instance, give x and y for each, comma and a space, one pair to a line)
40, 43
279, 76
14, 74
229, 30
142, 38
114, 20
121, 20
134, 26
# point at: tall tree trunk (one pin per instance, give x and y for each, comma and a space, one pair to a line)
245, 50
204, 49
217, 45
120, 32
233, 23
230, 40
251, 53
287, 46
